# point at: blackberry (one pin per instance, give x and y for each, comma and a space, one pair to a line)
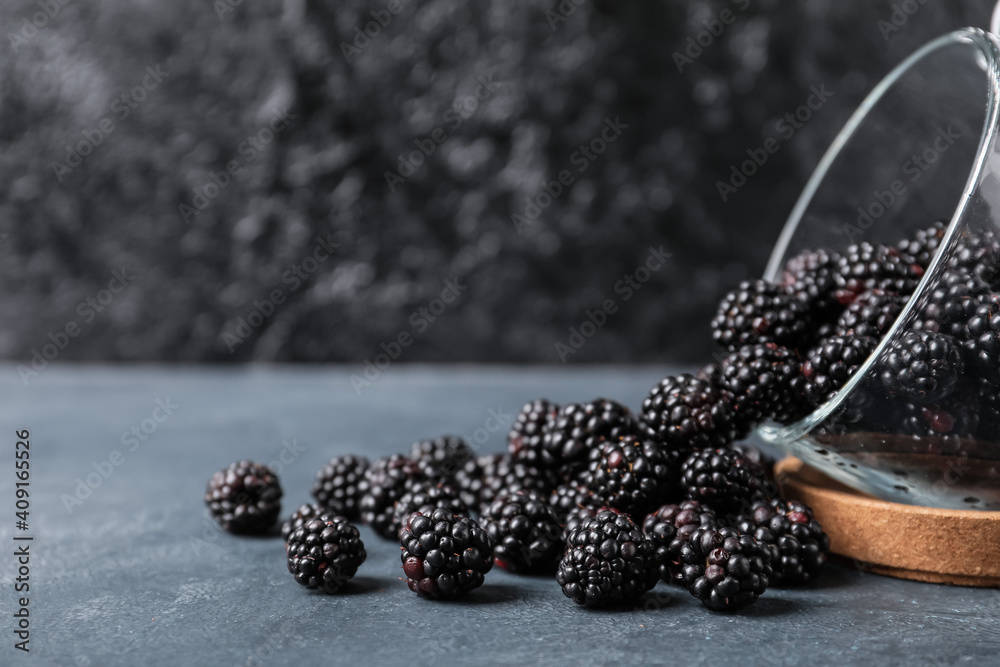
871, 314
949, 305
722, 479
608, 559
867, 267
982, 338
580, 428
829, 365
427, 495
244, 498
304, 514
388, 479
923, 246
977, 254
765, 381
937, 428
724, 569
811, 278
469, 478
524, 442
757, 456
711, 373
760, 312
686, 413
797, 543
325, 553
568, 496
444, 555
669, 529
525, 533
504, 475
578, 515
633, 475
441, 458
922, 366
341, 483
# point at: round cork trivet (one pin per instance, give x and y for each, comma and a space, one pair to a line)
960, 547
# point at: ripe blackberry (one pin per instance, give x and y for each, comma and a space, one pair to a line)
757, 456
244, 498
829, 365
797, 543
325, 553
388, 479
469, 479
948, 306
722, 479
504, 475
633, 475
524, 442
982, 338
922, 366
608, 559
568, 496
923, 246
760, 312
427, 495
867, 267
871, 314
341, 483
440, 458
669, 529
724, 569
711, 373
304, 514
580, 428
811, 278
765, 381
444, 555
686, 413
977, 254
525, 533
578, 515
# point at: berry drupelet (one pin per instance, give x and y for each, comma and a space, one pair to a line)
388, 479
686, 413
633, 475
797, 543
921, 366
580, 428
441, 458
427, 495
341, 483
760, 312
525, 440
444, 555
608, 559
244, 498
669, 529
325, 553
766, 382
724, 569
722, 479
525, 533
922, 247
829, 365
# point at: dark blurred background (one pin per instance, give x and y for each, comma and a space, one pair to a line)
199, 148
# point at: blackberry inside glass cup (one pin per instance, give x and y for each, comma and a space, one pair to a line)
894, 246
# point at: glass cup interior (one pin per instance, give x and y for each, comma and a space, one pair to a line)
920, 149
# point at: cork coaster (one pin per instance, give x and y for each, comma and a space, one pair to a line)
960, 547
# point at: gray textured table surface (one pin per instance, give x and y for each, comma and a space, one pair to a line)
135, 574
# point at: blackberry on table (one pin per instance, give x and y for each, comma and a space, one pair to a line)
829, 365
686, 413
921, 366
388, 478
469, 479
244, 498
633, 475
669, 529
325, 553
578, 515
524, 530
811, 278
760, 312
444, 555
427, 495
580, 428
871, 314
568, 496
525, 440
504, 475
798, 545
765, 381
340, 484
922, 247
304, 514
441, 458
864, 267
724, 569
608, 559
722, 479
